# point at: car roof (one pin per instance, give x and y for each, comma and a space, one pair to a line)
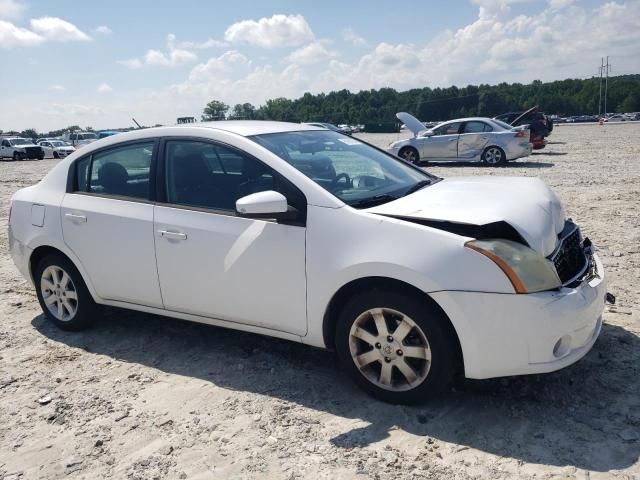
247, 128
468, 119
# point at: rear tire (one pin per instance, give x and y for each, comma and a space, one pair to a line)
494, 156
16, 156
62, 293
396, 346
409, 154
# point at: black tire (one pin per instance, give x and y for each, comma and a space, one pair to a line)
16, 156
429, 319
494, 156
85, 306
409, 154
55, 155
41, 157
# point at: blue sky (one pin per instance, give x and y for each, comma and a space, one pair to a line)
100, 63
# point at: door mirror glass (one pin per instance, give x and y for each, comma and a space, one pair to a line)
269, 204
428, 133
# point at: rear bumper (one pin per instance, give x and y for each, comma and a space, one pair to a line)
20, 254
510, 334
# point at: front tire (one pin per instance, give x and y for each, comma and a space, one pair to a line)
395, 346
16, 156
55, 155
409, 154
494, 156
62, 293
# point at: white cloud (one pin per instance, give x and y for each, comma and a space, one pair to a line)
11, 9
133, 63
209, 43
57, 88
175, 57
12, 36
56, 29
313, 53
349, 35
104, 30
104, 88
275, 31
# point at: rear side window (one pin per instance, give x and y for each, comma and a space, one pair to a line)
476, 127
122, 171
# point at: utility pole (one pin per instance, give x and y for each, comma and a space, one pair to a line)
607, 67
600, 94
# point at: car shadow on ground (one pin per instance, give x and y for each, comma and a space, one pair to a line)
510, 164
535, 419
549, 153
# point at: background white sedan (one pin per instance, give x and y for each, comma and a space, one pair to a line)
474, 139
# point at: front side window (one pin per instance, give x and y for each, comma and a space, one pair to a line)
121, 171
448, 129
211, 176
356, 173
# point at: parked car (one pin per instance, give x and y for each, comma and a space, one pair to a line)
308, 235
329, 126
56, 148
18, 148
78, 139
475, 139
540, 126
39, 140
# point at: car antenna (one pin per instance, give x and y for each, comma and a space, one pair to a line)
134, 121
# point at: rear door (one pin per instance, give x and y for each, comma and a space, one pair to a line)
107, 221
443, 145
473, 138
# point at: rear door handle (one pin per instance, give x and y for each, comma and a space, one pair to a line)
75, 217
172, 235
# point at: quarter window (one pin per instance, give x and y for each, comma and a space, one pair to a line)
122, 171
205, 175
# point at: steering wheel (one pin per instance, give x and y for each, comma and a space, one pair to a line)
341, 176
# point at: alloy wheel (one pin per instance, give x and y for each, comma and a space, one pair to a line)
59, 293
410, 155
390, 349
493, 156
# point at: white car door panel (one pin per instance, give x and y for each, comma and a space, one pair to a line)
440, 147
474, 137
114, 241
232, 268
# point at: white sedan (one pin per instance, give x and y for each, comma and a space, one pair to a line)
474, 139
56, 148
313, 236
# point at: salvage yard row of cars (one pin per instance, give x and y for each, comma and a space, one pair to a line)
17, 148
292, 231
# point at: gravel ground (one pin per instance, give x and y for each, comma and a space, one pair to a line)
141, 396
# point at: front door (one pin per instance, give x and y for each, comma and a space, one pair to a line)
443, 144
215, 264
107, 221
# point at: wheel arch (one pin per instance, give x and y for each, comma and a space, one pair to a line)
42, 251
339, 299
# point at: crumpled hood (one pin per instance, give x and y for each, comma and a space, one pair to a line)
526, 204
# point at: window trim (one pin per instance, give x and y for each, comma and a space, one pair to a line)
161, 193
72, 176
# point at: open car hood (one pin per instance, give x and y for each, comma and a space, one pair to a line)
412, 123
506, 207
524, 114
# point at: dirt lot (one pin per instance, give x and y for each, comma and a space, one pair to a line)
141, 396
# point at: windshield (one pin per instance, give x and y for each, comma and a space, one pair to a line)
20, 141
355, 172
58, 144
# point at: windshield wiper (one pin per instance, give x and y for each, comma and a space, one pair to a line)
418, 186
373, 201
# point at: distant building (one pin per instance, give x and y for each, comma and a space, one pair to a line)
182, 120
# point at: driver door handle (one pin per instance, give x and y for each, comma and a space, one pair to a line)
172, 235
75, 217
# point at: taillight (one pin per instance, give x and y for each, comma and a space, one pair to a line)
520, 134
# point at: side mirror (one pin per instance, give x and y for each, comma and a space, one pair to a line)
269, 204
428, 133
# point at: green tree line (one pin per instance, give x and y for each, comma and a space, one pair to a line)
562, 97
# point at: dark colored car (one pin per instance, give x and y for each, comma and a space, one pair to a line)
540, 125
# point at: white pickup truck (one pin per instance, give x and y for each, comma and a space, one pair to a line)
18, 148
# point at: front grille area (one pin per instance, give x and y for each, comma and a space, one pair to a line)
33, 152
569, 258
